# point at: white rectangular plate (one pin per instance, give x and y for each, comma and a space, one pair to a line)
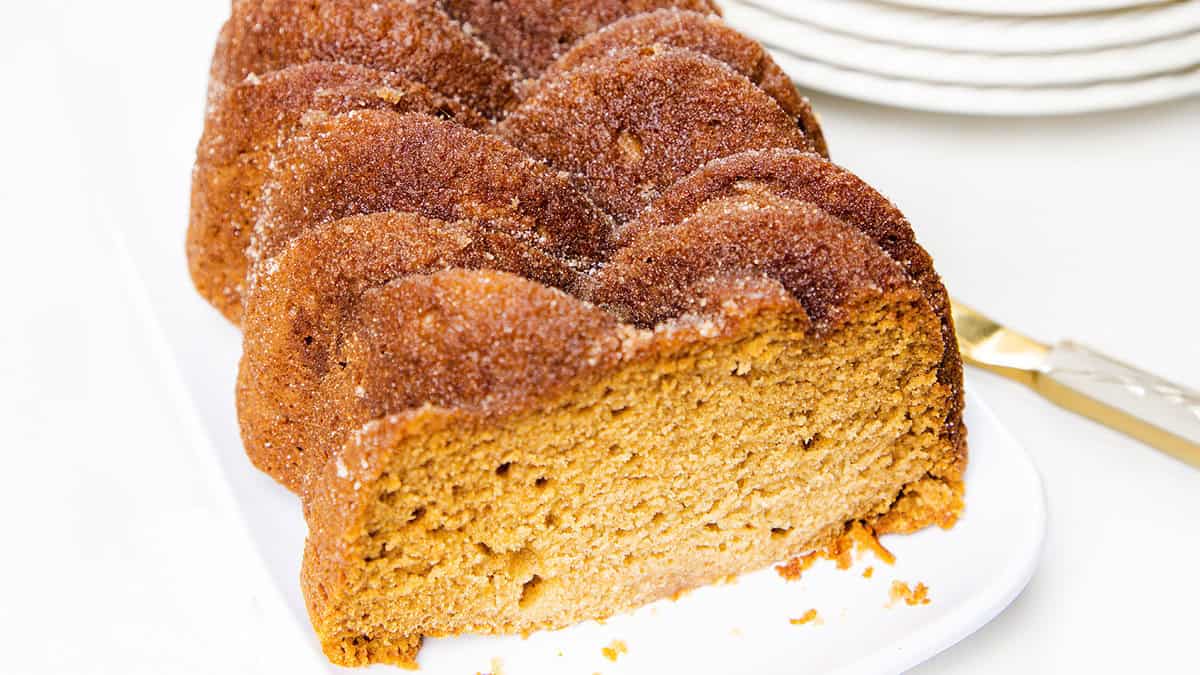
973, 570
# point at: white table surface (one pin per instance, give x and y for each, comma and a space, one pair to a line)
123, 552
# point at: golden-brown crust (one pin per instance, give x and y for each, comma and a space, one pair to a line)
297, 317
670, 271
367, 161
620, 123
531, 34
334, 516
708, 35
246, 122
410, 37
468, 340
808, 178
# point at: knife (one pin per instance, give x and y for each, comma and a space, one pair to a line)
1159, 413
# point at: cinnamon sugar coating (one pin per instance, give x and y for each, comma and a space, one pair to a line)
481, 341
808, 178
620, 123
411, 37
530, 34
298, 314
245, 124
684, 267
367, 161
706, 34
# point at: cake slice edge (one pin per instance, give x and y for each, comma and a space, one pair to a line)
439, 521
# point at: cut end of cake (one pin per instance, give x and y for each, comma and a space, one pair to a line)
718, 447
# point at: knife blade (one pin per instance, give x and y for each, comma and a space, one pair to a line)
1153, 410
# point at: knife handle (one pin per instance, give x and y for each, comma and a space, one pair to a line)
1157, 412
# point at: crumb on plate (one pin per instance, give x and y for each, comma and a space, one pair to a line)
918, 595
614, 649
857, 538
807, 617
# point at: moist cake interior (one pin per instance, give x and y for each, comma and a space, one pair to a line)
715, 459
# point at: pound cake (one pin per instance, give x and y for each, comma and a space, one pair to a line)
553, 308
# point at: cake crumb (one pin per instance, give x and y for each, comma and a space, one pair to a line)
792, 569
866, 540
841, 550
868, 572
614, 649
918, 595
807, 617
858, 538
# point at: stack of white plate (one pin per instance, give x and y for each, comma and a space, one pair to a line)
999, 57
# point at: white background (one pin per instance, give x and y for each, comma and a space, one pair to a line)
122, 552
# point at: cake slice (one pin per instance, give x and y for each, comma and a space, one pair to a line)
743, 386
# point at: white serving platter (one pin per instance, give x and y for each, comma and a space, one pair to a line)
946, 31
973, 571
976, 100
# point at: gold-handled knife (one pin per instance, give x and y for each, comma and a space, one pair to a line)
1149, 408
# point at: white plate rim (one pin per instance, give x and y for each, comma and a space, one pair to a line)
997, 101
1022, 7
873, 21
1123, 63
970, 617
